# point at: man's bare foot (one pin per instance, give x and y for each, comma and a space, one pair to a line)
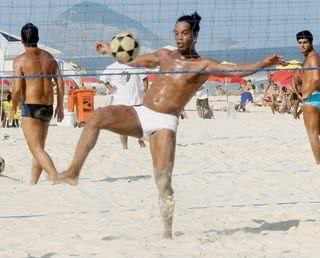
33, 182
53, 179
35, 176
64, 177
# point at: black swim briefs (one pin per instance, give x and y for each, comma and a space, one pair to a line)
38, 111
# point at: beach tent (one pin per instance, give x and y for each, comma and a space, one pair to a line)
11, 47
72, 71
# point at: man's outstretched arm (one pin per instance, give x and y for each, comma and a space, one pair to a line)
224, 70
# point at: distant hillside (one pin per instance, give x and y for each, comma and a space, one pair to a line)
85, 23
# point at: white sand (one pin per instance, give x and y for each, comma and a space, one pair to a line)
245, 187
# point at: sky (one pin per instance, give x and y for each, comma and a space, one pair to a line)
231, 24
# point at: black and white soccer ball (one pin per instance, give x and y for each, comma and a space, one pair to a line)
2, 164
124, 47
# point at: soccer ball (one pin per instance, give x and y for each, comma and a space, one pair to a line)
2, 164
124, 47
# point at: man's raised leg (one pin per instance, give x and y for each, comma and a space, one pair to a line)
162, 146
311, 116
118, 119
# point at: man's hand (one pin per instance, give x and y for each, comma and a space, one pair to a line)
273, 60
103, 48
295, 108
59, 113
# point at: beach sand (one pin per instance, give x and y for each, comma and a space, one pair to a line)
244, 187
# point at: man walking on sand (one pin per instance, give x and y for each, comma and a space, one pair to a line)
36, 95
157, 117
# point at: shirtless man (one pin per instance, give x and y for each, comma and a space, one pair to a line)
157, 117
36, 95
310, 90
274, 92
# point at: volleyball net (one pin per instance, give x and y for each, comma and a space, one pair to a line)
237, 31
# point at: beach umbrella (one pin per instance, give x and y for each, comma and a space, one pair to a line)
291, 64
229, 79
282, 77
285, 77
213, 78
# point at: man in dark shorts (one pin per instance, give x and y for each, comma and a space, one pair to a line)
36, 95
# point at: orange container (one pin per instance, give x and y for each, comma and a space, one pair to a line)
71, 101
84, 102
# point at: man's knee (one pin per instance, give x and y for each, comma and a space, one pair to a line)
163, 181
36, 148
96, 119
103, 117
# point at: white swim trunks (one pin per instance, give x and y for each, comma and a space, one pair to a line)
152, 121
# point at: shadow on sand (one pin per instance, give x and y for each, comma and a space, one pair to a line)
265, 226
126, 178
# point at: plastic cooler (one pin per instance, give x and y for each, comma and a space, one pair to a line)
82, 100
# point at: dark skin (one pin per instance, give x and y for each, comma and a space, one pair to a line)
307, 84
168, 94
35, 61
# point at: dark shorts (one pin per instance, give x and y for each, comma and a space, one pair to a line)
38, 111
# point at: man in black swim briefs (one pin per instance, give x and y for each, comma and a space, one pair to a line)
36, 95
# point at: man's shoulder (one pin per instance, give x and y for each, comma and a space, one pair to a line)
165, 51
18, 61
312, 59
46, 53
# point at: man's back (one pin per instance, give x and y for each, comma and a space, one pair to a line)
312, 60
37, 62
